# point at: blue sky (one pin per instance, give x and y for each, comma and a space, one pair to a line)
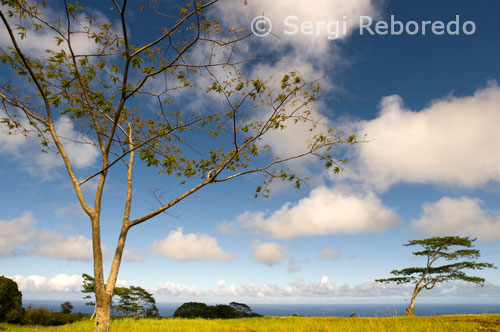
430, 106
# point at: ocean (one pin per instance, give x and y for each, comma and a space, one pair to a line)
338, 310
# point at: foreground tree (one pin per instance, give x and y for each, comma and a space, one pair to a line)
109, 90
11, 301
449, 248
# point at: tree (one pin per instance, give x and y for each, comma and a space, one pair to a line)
448, 248
66, 307
107, 92
191, 310
11, 301
135, 301
131, 300
243, 308
219, 311
88, 288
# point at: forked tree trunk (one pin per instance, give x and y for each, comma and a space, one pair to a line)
104, 293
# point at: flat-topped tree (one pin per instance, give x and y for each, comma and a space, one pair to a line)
130, 95
448, 248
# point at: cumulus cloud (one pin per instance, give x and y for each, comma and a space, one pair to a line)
269, 253
76, 247
81, 155
454, 141
58, 283
173, 289
15, 232
36, 42
323, 288
324, 211
294, 139
458, 216
22, 236
192, 246
316, 43
17, 147
329, 254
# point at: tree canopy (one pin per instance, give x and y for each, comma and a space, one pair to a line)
448, 248
11, 301
131, 301
128, 95
224, 311
66, 307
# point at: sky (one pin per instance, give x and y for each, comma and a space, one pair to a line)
428, 104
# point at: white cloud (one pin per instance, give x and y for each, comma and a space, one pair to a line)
58, 283
458, 216
184, 247
76, 247
269, 253
324, 211
15, 232
36, 42
235, 13
17, 147
329, 254
324, 288
22, 236
173, 289
294, 139
454, 141
81, 155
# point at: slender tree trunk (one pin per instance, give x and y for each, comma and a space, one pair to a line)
103, 302
410, 310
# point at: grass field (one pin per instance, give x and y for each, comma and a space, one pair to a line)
459, 323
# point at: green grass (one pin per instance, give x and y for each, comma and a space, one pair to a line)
459, 323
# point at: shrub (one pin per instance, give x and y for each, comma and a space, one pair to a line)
201, 310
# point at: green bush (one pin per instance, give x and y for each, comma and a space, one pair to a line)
201, 310
45, 317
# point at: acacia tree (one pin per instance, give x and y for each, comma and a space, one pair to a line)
128, 94
435, 248
136, 301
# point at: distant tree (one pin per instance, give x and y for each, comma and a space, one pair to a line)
11, 301
241, 307
191, 310
224, 311
428, 276
66, 307
135, 301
